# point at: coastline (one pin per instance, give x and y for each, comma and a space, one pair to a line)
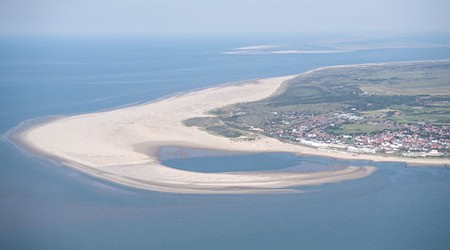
122, 145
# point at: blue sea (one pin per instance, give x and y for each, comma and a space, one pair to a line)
45, 206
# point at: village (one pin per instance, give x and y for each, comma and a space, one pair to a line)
377, 135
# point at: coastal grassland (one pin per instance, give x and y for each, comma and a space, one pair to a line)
443, 118
418, 80
362, 99
214, 125
349, 129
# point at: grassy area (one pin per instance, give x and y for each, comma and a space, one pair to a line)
213, 125
350, 129
428, 114
379, 111
427, 118
414, 80
224, 131
203, 122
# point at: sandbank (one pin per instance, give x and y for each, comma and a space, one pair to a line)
122, 145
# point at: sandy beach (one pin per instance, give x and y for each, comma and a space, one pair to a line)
122, 145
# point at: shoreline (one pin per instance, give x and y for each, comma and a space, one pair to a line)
122, 144
269, 186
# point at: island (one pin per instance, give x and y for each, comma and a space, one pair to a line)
329, 106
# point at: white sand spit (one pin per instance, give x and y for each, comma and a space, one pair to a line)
111, 145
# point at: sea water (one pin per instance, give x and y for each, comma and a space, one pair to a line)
44, 206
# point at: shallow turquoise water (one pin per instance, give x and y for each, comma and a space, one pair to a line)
44, 206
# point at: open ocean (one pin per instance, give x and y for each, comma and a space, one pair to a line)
44, 206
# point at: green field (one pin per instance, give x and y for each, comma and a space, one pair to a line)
349, 129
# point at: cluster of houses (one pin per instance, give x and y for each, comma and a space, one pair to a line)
412, 140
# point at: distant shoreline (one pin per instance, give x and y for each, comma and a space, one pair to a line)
121, 145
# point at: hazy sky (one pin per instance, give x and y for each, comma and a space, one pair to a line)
203, 16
